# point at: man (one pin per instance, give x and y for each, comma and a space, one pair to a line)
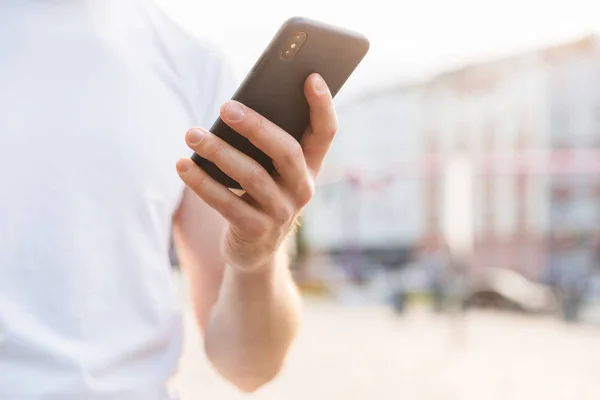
96, 96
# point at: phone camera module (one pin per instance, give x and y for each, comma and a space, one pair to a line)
293, 45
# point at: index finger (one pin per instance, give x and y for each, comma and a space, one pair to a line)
283, 149
323, 122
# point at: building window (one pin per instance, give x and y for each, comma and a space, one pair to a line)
560, 122
561, 193
561, 144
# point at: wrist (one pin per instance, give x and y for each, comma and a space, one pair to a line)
265, 268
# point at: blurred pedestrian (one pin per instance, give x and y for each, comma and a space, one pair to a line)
576, 273
96, 96
569, 272
438, 270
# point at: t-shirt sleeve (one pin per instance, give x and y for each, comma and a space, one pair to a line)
219, 85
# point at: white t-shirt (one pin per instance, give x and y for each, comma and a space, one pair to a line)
95, 100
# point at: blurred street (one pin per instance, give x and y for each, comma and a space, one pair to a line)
367, 352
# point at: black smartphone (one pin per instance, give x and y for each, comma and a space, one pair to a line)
275, 86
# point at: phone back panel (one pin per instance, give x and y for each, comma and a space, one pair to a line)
275, 86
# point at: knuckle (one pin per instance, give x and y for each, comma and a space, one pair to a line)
258, 177
331, 129
214, 149
227, 207
283, 213
305, 192
202, 181
334, 128
295, 148
294, 152
257, 127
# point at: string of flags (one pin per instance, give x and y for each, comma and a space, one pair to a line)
558, 162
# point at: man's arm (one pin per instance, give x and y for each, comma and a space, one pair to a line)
251, 326
256, 311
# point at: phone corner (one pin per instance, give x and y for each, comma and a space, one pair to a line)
296, 20
366, 44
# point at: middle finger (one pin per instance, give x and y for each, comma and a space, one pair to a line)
253, 178
285, 151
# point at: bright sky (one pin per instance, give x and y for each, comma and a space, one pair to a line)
409, 39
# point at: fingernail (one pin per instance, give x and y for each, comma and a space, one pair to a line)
183, 166
195, 136
320, 86
234, 111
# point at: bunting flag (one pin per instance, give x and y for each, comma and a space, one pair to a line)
558, 162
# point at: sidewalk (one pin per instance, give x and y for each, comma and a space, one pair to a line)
352, 353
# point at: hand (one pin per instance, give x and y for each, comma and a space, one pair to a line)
261, 218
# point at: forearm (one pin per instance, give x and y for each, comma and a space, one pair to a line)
253, 323
256, 315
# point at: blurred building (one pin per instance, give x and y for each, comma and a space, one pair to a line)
363, 204
524, 121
